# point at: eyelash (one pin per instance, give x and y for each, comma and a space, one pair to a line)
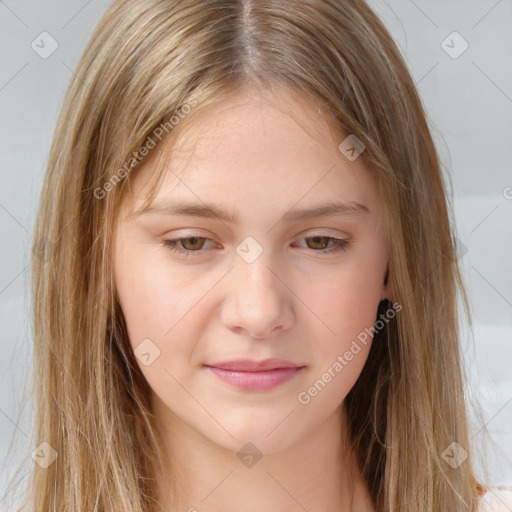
339, 245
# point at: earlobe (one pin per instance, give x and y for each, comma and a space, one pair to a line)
387, 291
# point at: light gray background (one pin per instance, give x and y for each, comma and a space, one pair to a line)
469, 103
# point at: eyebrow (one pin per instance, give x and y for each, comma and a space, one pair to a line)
328, 209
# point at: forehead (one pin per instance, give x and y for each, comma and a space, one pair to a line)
276, 150
284, 116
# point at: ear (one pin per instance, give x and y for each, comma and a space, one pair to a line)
387, 287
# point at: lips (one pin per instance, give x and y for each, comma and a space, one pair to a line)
249, 375
248, 365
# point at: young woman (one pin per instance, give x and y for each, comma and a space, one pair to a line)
248, 295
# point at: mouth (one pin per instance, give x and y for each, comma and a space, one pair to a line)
250, 375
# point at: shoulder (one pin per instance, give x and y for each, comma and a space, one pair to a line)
497, 499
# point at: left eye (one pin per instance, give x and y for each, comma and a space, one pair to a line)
338, 244
196, 243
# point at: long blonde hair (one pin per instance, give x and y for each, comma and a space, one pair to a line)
145, 62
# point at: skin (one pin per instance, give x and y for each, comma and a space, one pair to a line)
293, 302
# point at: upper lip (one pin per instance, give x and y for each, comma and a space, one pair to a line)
248, 365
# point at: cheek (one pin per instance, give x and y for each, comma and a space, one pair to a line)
161, 305
146, 306
347, 302
148, 296
346, 306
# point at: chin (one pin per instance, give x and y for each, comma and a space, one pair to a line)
262, 437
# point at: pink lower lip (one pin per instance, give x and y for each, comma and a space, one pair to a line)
255, 381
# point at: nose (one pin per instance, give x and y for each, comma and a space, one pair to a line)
258, 302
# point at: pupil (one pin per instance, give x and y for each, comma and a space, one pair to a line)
317, 239
193, 240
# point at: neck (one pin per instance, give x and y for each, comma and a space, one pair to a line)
318, 473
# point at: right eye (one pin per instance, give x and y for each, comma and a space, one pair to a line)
196, 243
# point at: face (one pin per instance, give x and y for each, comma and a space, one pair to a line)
198, 290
